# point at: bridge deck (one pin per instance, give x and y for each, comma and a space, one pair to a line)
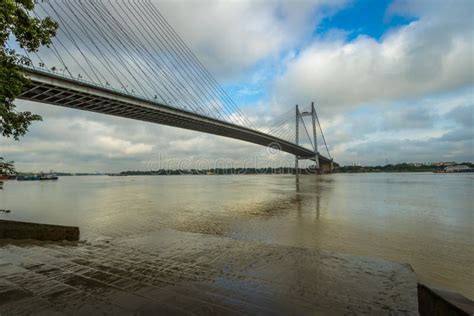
58, 90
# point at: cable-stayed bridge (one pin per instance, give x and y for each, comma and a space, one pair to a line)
125, 59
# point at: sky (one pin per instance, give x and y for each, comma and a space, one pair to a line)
393, 81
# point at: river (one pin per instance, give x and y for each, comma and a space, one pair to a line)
423, 219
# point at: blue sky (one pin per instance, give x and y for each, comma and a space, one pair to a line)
366, 17
371, 18
392, 80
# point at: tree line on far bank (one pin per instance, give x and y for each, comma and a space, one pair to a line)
401, 167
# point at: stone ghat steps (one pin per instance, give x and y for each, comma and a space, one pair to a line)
82, 283
70, 287
123, 279
201, 279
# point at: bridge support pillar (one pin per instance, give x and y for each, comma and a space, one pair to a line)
314, 118
315, 139
297, 138
326, 168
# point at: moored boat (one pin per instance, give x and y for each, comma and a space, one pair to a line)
31, 177
7, 177
48, 176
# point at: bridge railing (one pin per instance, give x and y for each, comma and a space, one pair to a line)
63, 74
89, 82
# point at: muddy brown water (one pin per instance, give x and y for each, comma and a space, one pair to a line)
422, 219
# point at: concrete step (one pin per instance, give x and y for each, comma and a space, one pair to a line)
182, 273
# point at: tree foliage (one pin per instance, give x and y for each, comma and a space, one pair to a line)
6, 167
30, 34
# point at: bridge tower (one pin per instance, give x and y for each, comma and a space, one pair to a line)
300, 119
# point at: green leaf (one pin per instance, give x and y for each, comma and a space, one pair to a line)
31, 33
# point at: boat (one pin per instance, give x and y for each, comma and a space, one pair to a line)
48, 176
455, 169
7, 177
31, 177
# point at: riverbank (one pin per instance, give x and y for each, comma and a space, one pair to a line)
176, 272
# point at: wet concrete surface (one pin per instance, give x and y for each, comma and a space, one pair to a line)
173, 272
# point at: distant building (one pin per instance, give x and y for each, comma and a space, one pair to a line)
459, 168
444, 164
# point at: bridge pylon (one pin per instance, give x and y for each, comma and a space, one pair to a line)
299, 118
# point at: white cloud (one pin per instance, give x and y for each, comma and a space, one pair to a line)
230, 36
112, 144
430, 55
